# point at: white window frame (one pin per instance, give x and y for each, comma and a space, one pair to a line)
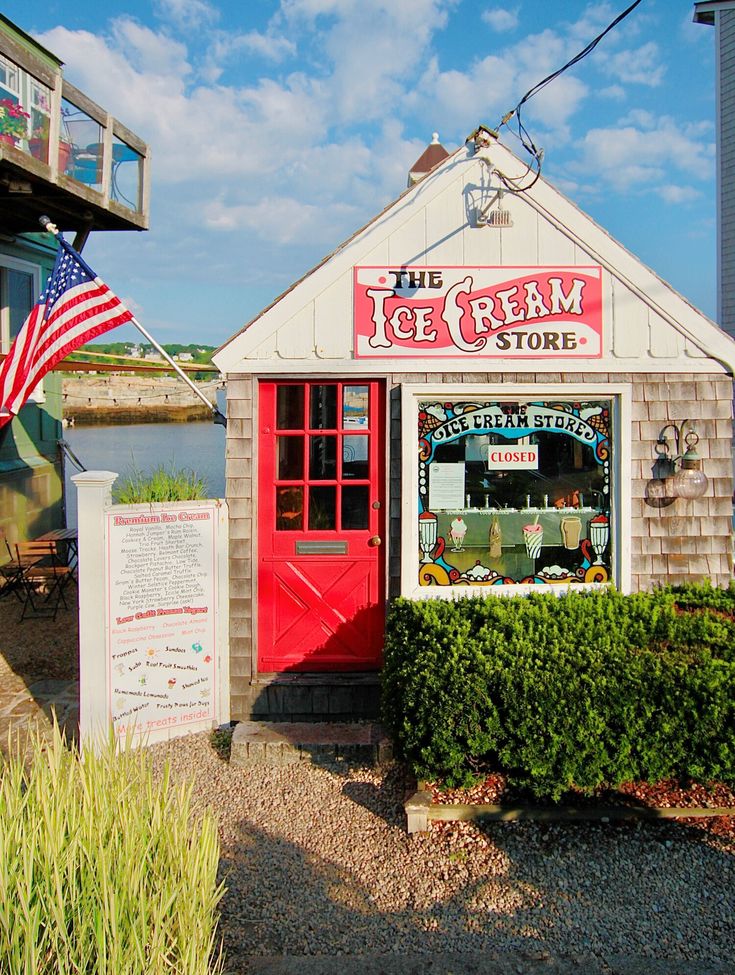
620, 500
11, 69
25, 267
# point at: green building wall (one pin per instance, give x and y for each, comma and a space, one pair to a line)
31, 476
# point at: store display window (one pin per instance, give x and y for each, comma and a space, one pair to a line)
515, 491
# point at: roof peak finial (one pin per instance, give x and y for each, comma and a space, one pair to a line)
434, 138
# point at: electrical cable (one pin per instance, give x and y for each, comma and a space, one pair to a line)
523, 133
576, 59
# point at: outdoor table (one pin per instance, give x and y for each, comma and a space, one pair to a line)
70, 540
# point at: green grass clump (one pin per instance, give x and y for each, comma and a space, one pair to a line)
103, 869
162, 484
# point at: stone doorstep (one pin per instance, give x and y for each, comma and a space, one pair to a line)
321, 743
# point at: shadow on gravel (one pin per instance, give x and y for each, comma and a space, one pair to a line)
384, 800
655, 891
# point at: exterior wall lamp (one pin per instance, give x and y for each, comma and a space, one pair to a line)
677, 475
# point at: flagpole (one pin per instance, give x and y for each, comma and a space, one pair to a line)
193, 386
217, 416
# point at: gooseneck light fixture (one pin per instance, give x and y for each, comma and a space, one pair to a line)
677, 475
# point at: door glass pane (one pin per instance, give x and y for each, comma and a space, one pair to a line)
323, 508
355, 504
290, 458
355, 456
355, 406
323, 408
290, 408
323, 458
289, 509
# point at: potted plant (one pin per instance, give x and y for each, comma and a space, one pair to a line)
13, 122
38, 142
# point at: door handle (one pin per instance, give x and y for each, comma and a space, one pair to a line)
375, 541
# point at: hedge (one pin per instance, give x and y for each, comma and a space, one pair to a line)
576, 691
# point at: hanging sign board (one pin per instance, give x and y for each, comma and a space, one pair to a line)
478, 312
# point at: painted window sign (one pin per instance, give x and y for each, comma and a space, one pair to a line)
485, 312
542, 517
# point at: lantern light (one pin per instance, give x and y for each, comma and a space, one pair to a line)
678, 476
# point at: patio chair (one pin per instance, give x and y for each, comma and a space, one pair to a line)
43, 578
9, 571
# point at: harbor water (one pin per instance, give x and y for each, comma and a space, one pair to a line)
128, 448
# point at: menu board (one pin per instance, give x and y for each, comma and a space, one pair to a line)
162, 620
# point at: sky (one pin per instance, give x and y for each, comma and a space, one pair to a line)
277, 129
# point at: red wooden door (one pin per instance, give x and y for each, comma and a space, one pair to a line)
321, 475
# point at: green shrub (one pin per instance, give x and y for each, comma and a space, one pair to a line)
101, 870
562, 692
162, 484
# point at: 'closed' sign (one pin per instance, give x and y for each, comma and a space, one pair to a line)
521, 457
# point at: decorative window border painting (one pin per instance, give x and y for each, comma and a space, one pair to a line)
513, 491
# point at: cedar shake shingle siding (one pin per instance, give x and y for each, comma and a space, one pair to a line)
690, 540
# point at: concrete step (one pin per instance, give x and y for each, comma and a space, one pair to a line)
322, 743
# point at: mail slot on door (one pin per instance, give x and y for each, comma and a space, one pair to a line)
321, 548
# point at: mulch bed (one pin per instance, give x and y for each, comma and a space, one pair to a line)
495, 790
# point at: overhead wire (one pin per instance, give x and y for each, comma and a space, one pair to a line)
523, 134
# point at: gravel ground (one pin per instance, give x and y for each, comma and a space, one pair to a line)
318, 862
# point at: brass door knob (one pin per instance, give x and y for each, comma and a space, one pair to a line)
375, 540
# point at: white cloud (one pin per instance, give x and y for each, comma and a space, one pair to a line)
227, 48
678, 194
642, 65
187, 14
247, 150
501, 18
148, 52
632, 158
371, 49
614, 92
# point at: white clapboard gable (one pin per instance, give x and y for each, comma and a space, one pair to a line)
648, 327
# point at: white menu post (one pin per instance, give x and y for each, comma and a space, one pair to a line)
94, 497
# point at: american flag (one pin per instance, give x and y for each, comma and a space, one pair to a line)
74, 308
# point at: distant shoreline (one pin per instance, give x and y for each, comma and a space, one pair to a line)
99, 415
94, 400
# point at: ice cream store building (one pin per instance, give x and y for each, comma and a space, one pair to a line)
480, 392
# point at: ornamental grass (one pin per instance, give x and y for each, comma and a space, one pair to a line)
162, 484
103, 868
